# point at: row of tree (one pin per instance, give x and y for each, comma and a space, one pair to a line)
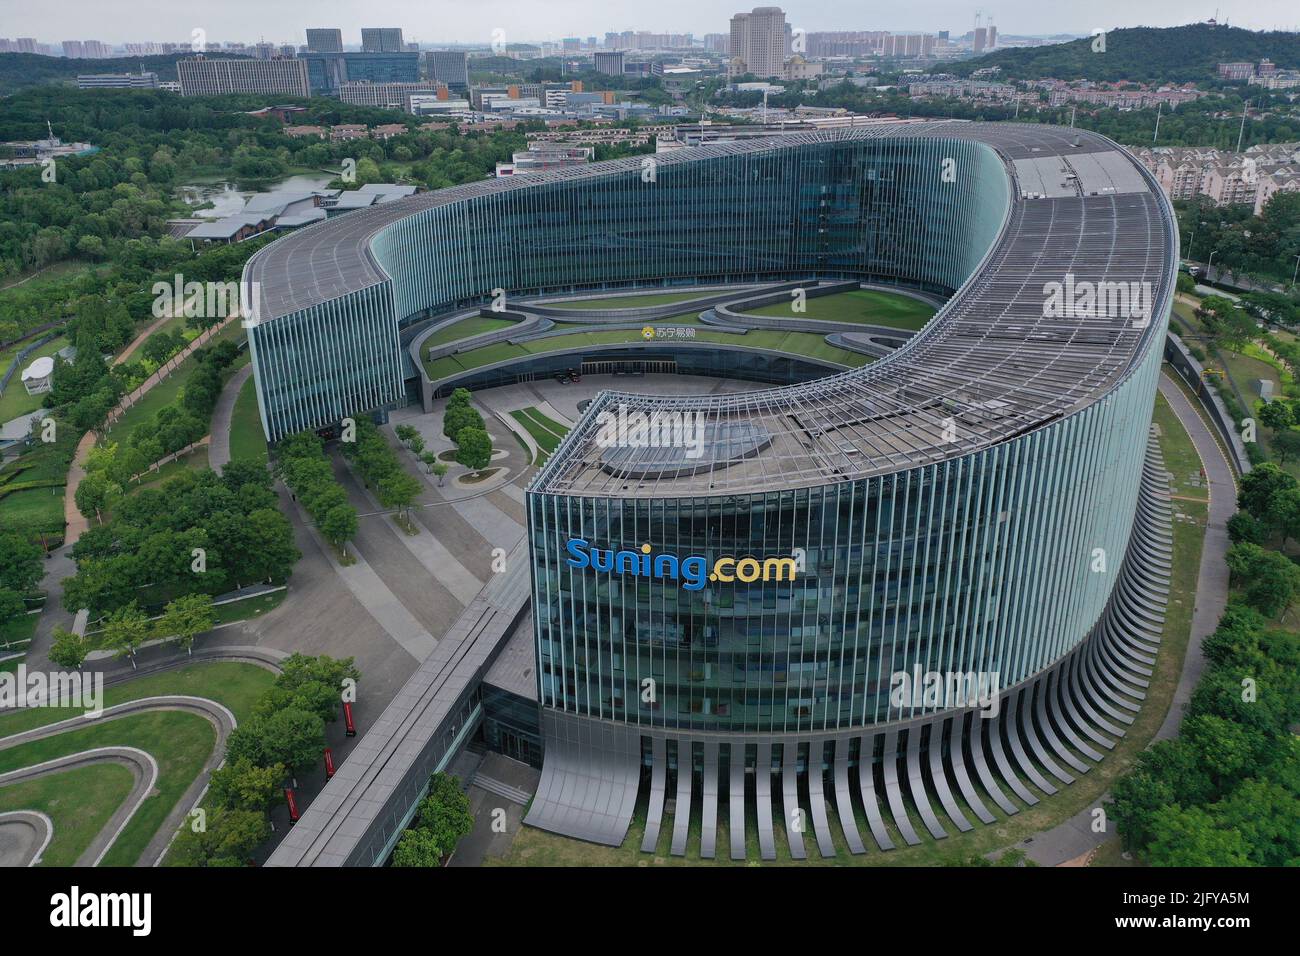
302, 464
462, 423
1226, 791
410, 436
128, 628
380, 469
284, 736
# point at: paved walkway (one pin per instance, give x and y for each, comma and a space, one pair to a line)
75, 523
222, 416
1074, 838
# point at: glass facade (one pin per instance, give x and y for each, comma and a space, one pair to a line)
874, 208
999, 562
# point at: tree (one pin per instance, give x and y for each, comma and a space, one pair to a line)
21, 568
429, 459
1189, 837
1270, 581
417, 848
416, 444
68, 650
125, 630
440, 469
445, 812
271, 552
339, 525
12, 605
243, 785
1286, 445
95, 495
399, 490
1245, 527
1258, 488
457, 418
229, 839
405, 433
475, 448
186, 618
293, 737
1276, 415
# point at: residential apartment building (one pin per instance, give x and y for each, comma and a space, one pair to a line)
758, 43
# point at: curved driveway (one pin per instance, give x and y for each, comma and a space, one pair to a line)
1072, 841
142, 765
24, 835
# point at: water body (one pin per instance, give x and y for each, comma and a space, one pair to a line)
227, 199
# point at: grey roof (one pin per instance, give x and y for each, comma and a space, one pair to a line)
990, 360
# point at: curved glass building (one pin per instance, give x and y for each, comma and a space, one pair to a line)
921, 590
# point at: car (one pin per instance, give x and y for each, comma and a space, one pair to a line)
575, 375
562, 378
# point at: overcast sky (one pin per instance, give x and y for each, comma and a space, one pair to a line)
433, 21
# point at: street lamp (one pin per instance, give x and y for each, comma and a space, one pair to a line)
1210, 265
1295, 271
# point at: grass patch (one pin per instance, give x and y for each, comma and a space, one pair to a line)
247, 440
474, 477
166, 391
231, 683
862, 306
248, 608
78, 802
545, 431
180, 742
18, 631
15, 402
475, 325
639, 301
805, 344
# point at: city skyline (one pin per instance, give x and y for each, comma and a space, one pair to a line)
474, 23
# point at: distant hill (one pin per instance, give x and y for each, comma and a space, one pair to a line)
19, 70
1145, 54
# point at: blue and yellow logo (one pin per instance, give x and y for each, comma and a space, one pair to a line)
693, 571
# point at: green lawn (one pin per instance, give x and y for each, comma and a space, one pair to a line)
865, 306
79, 802
533, 847
165, 392
15, 401
38, 511
247, 441
545, 431
636, 301
194, 460
180, 743
476, 325
21, 629
234, 684
807, 344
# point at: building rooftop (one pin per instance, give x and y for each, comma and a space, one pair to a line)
990, 361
